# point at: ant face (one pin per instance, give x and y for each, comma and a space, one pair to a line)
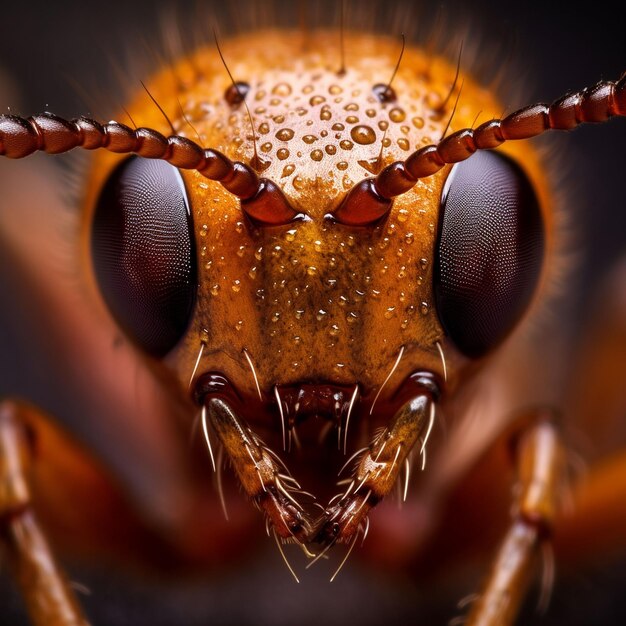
593, 157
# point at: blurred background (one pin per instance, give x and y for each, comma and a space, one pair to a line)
58, 56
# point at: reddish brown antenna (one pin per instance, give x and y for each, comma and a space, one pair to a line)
260, 199
371, 199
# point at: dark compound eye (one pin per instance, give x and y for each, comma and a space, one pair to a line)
144, 254
489, 252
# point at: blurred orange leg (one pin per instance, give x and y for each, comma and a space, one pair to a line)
48, 597
540, 464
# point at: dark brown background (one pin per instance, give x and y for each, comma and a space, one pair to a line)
49, 46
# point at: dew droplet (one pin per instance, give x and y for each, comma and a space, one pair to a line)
317, 155
352, 119
252, 272
423, 263
288, 170
326, 114
397, 115
333, 331
239, 325
282, 89
315, 100
266, 147
424, 308
383, 124
347, 182
290, 235
330, 149
279, 119
352, 317
335, 90
418, 122
264, 128
282, 153
342, 165
215, 289
284, 134
337, 126
311, 270
363, 135
403, 143
298, 183
344, 144
390, 312
320, 315
309, 139
275, 316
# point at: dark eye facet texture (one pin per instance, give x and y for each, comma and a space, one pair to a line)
144, 254
489, 251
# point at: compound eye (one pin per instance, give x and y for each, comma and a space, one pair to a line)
489, 252
143, 252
